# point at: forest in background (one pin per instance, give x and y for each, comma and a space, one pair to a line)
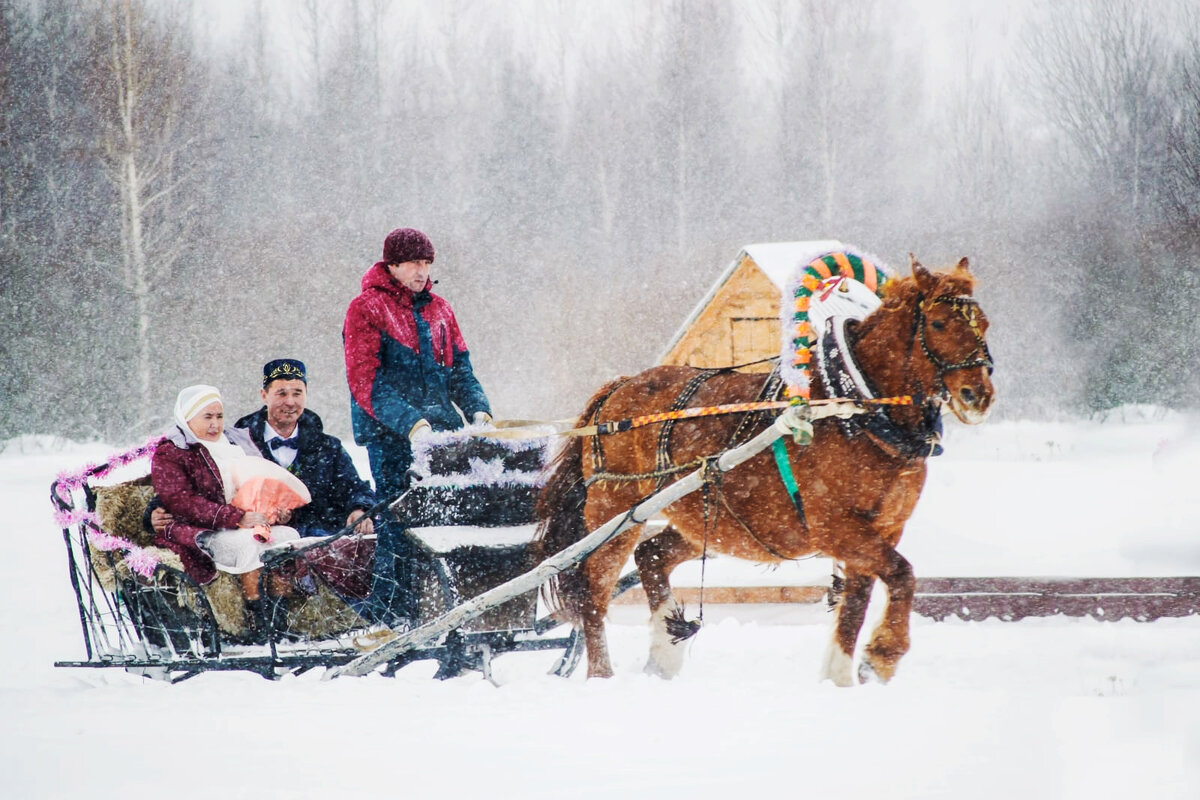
179, 206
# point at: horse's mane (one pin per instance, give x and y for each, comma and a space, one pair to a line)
904, 291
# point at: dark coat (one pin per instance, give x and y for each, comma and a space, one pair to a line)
325, 468
188, 483
406, 360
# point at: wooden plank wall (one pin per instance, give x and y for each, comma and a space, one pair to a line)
747, 296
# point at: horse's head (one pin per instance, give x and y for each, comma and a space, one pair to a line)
951, 330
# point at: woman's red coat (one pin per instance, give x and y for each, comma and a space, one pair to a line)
188, 482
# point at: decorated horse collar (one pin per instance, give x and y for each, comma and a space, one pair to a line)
844, 380
839, 283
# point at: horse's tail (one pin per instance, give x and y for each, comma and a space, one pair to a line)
561, 522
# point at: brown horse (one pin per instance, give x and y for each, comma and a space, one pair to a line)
856, 490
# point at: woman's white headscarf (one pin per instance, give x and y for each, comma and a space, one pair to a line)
191, 402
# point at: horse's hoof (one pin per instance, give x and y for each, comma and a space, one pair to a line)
838, 667
667, 649
868, 674
665, 660
656, 670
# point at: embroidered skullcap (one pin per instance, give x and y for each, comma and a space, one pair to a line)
284, 369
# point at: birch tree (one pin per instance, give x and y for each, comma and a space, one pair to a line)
850, 86
51, 229
975, 139
142, 84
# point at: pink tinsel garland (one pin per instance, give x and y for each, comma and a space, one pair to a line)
138, 559
75, 516
72, 480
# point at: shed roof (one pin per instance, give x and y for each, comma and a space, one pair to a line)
777, 260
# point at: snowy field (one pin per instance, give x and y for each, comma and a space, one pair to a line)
1045, 708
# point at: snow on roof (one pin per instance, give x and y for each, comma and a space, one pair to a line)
777, 260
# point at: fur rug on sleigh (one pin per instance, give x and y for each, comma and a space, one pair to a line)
120, 510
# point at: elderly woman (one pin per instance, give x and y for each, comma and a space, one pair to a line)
192, 473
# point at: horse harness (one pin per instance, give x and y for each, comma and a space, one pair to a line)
771, 390
843, 379
663, 468
967, 308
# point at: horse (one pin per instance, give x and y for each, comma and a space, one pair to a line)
855, 489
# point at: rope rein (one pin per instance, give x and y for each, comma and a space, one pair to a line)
611, 427
620, 426
710, 487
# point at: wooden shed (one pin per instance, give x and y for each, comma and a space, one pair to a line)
737, 321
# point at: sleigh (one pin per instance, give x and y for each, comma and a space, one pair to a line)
467, 521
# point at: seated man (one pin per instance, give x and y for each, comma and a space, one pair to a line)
293, 436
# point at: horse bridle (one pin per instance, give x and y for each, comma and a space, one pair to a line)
966, 308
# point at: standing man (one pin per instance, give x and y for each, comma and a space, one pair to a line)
294, 437
406, 361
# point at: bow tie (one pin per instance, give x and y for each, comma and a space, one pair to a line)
278, 442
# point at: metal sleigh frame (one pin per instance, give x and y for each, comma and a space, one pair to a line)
160, 623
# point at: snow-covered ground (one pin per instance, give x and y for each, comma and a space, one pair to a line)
1044, 708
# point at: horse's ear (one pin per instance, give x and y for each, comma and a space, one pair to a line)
919, 272
963, 265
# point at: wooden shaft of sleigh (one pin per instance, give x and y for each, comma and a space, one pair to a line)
429, 632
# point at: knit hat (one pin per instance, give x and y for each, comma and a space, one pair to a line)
284, 369
193, 400
407, 244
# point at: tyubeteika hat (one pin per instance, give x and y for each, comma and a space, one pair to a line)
284, 369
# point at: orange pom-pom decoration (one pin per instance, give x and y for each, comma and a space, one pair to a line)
797, 394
